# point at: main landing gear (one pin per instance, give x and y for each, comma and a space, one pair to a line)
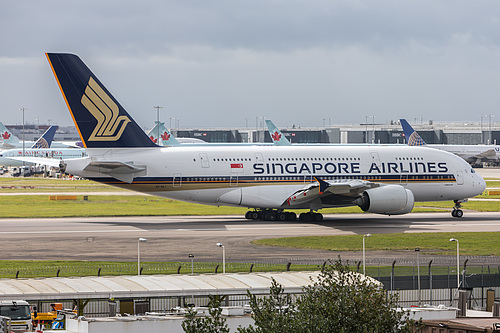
276, 215
457, 212
270, 215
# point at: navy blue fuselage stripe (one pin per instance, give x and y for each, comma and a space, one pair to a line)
261, 178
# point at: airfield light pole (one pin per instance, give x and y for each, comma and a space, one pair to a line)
458, 261
223, 257
192, 258
364, 257
139, 254
22, 109
158, 121
418, 276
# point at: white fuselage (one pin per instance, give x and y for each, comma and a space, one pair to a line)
271, 173
54, 153
473, 154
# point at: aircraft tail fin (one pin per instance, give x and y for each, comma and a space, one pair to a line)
100, 120
46, 139
278, 138
162, 136
412, 137
7, 136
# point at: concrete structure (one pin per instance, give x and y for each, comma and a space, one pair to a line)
385, 133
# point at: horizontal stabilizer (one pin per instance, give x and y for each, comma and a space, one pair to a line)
126, 172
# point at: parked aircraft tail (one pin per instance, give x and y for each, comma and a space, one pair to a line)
412, 137
7, 136
162, 136
100, 120
46, 139
278, 138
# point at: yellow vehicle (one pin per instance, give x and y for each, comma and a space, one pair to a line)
46, 319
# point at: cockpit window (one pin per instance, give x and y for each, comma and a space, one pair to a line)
472, 171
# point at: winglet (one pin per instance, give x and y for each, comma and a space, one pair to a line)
100, 120
322, 185
278, 138
46, 139
412, 137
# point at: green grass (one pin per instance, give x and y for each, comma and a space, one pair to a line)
35, 269
107, 205
138, 205
476, 244
141, 205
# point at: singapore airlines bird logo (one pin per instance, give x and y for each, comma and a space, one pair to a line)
110, 126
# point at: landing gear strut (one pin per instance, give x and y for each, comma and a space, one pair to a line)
457, 212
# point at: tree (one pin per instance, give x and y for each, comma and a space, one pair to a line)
213, 323
338, 301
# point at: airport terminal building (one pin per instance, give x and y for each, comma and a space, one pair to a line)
390, 133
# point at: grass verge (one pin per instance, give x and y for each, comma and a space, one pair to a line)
473, 244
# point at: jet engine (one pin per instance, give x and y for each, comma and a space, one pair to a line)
389, 200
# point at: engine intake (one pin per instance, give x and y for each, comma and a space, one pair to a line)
389, 200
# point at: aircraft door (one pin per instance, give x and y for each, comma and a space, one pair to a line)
460, 177
204, 160
404, 179
259, 158
233, 180
177, 180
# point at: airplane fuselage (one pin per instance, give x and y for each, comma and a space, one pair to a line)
208, 174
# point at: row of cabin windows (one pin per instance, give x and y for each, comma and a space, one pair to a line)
273, 159
309, 177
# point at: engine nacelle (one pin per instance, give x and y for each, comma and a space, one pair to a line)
389, 200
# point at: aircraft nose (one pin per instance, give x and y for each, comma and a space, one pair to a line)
482, 183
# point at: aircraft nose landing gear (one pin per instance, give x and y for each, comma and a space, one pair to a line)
457, 212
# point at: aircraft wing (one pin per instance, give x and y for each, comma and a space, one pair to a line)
489, 154
349, 188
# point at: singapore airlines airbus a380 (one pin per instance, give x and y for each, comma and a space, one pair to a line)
267, 179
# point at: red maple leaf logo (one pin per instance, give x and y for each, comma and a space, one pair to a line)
276, 136
153, 139
165, 136
5, 135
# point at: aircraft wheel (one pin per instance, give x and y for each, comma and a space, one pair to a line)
282, 216
318, 217
305, 217
457, 213
248, 215
291, 216
270, 216
255, 215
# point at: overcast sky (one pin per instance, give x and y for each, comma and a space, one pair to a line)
224, 63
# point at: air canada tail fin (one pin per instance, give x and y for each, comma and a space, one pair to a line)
7, 136
162, 136
46, 139
100, 120
412, 137
278, 138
